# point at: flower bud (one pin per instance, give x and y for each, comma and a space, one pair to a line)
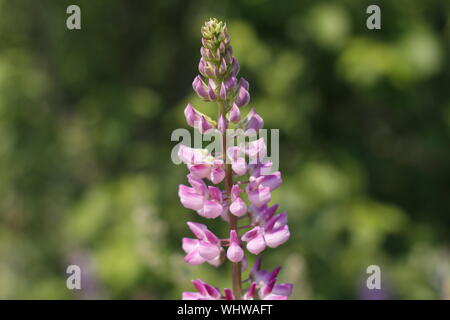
200, 88
235, 114
234, 252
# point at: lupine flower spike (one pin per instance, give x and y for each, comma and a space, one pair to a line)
232, 184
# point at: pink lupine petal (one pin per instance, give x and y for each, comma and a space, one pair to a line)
189, 244
235, 253
276, 222
283, 289
235, 114
204, 125
228, 294
272, 181
234, 237
259, 168
239, 166
202, 66
250, 293
267, 288
198, 184
223, 91
189, 198
254, 121
249, 235
243, 97
200, 286
244, 83
197, 229
230, 83
191, 296
192, 115
256, 148
200, 171
262, 277
211, 209
235, 66
191, 155
211, 89
270, 211
224, 215
272, 296
215, 193
200, 88
217, 261
211, 237
234, 153
212, 292
235, 192
274, 273
194, 258
217, 175
277, 237
208, 251
260, 196
238, 207
256, 245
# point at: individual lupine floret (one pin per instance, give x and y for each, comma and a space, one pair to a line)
206, 200
195, 119
204, 292
252, 121
237, 206
265, 281
274, 291
234, 252
260, 215
206, 248
272, 234
259, 189
254, 150
201, 164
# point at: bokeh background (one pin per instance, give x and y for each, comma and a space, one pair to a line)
86, 118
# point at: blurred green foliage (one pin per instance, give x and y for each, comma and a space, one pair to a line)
86, 118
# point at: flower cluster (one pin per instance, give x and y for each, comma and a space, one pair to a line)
242, 171
262, 286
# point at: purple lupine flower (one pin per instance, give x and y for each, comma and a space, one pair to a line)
253, 121
205, 200
196, 120
254, 150
235, 114
265, 281
234, 252
238, 206
201, 164
200, 88
218, 82
206, 248
205, 292
274, 233
273, 291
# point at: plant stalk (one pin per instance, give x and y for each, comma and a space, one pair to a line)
233, 221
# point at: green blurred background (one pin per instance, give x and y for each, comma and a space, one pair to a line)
85, 123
